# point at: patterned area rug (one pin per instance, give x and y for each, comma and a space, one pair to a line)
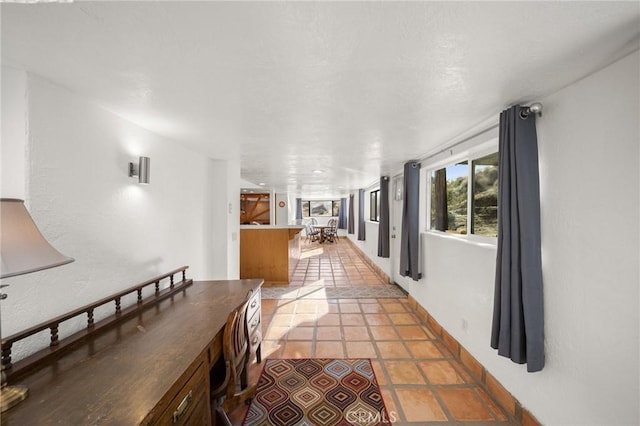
317, 392
321, 292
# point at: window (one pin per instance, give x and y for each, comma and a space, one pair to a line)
374, 206
484, 210
318, 208
449, 198
464, 197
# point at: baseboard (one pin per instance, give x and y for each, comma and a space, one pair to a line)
494, 388
378, 270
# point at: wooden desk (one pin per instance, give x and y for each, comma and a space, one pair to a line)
139, 371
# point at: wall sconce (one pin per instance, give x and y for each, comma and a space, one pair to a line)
141, 170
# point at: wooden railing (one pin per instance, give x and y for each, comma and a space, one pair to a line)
57, 347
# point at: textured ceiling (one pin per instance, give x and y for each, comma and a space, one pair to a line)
350, 88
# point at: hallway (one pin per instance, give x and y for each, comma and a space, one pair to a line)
420, 379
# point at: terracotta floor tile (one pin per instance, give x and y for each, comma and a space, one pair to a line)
394, 308
329, 333
301, 333
329, 350
441, 373
349, 308
308, 320
403, 373
403, 319
383, 332
372, 308
276, 333
268, 306
464, 404
492, 405
392, 350
288, 308
281, 320
272, 348
332, 309
307, 306
423, 349
443, 348
266, 321
329, 319
352, 319
297, 350
420, 405
361, 350
377, 319
379, 372
355, 333
390, 405
411, 332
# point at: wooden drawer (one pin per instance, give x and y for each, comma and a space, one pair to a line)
254, 325
254, 322
254, 304
255, 339
187, 407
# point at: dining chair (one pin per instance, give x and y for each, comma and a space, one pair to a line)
331, 231
231, 389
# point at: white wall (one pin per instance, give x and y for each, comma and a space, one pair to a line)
119, 232
13, 145
370, 245
282, 213
588, 144
222, 218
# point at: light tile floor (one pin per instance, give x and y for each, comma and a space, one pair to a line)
421, 382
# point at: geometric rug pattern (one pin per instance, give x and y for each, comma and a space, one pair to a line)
320, 292
317, 392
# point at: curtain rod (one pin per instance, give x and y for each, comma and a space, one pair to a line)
535, 108
467, 139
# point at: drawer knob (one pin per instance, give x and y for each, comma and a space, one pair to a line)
183, 407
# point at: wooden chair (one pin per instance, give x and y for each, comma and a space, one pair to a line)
233, 389
331, 231
311, 233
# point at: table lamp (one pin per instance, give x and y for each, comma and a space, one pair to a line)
23, 250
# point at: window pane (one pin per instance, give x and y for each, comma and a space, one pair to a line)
336, 208
484, 220
374, 206
449, 198
305, 209
320, 208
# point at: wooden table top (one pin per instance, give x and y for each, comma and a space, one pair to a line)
122, 374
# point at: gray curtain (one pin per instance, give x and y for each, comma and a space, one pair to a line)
383, 224
351, 224
342, 215
410, 235
299, 208
361, 233
518, 314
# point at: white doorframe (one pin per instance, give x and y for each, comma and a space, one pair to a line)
396, 229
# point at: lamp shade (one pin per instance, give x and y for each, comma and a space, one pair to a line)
23, 249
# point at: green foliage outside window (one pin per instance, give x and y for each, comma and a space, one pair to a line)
450, 197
